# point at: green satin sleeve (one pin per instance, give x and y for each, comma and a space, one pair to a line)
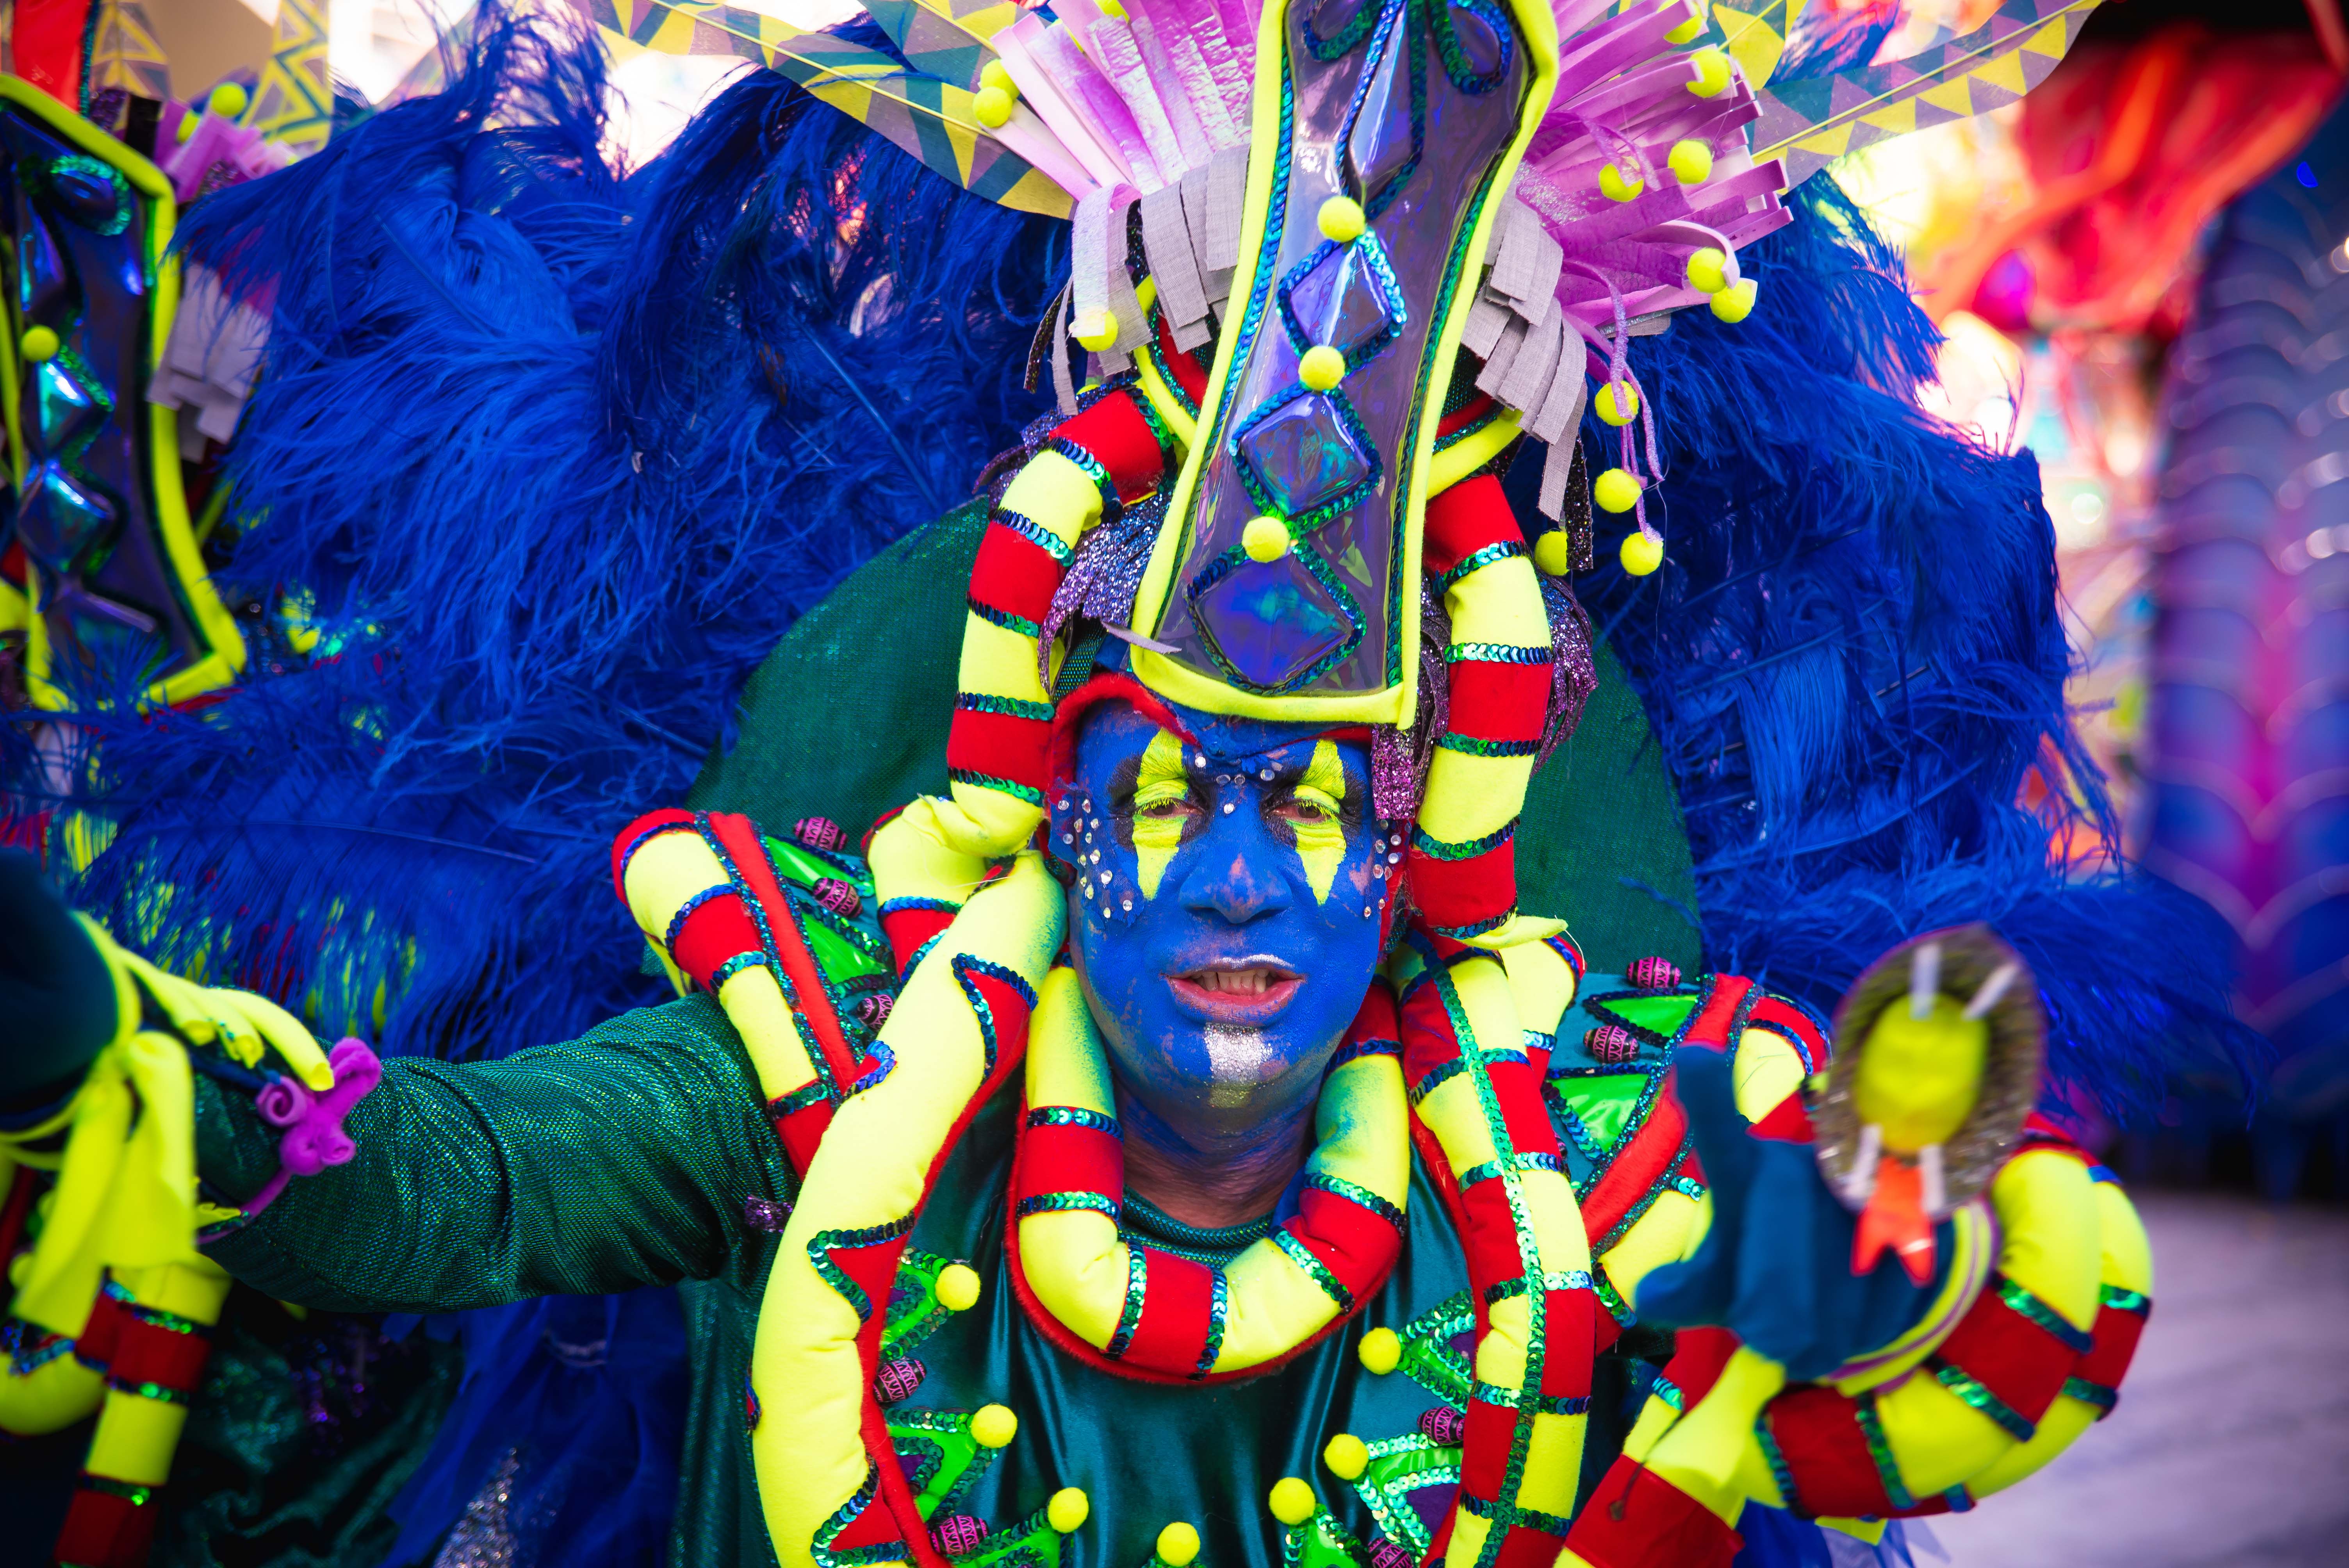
619, 1160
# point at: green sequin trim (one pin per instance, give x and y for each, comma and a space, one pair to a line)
1067, 1203
1353, 1192
733, 966
1445, 1072
2044, 1315
1470, 746
1780, 1471
1035, 534
156, 1317
1492, 1169
1219, 1307
1572, 1279
1095, 469
2121, 1300
820, 1247
799, 1100
1027, 792
1493, 1394
2097, 1394
1475, 560
1496, 654
130, 1492
1011, 707
1075, 1116
1314, 1270
1003, 618
1670, 1392
1467, 849
1974, 1392
1888, 1469
1137, 1283
155, 1392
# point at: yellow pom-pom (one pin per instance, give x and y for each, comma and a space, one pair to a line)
992, 105
993, 1426
1096, 330
1178, 1545
957, 1287
1292, 1501
996, 75
38, 345
1340, 218
1264, 538
1553, 552
1322, 367
1113, 8
1641, 554
1616, 186
228, 100
1380, 1351
1687, 31
1347, 1456
1736, 302
1711, 73
1617, 404
1616, 489
187, 125
1068, 1508
20, 1269
1708, 271
1691, 161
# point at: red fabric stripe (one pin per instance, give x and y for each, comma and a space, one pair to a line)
1637, 1519
2011, 1355
1640, 1165
1462, 892
94, 1345
1712, 1023
1377, 1019
1467, 414
1352, 1243
1014, 573
907, 929
1698, 1357
1570, 1336
1464, 519
802, 1131
103, 1530
712, 933
1496, 701
1173, 1332
1070, 1160
1490, 1237
740, 838
1181, 364
2115, 1337
999, 744
1526, 1547
1787, 1121
147, 1354
1522, 1111
1120, 440
1428, 1041
1484, 1449
1818, 1433
872, 1526
625, 842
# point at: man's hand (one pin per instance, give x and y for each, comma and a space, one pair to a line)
58, 1002
1775, 1267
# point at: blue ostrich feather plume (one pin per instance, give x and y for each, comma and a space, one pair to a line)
547, 454
1854, 665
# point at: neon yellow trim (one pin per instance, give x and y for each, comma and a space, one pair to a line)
1168, 407
1542, 983
870, 1171
1156, 839
1466, 455
1704, 1452
213, 624
1767, 1071
1321, 843
910, 858
1538, 30
136, 1436
1661, 1237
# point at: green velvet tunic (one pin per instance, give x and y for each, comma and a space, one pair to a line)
624, 1159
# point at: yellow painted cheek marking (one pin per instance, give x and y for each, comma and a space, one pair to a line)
1321, 845
1155, 839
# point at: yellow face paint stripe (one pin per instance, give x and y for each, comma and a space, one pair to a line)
1321, 844
1155, 839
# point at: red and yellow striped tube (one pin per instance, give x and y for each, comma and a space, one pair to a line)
997, 748
1463, 860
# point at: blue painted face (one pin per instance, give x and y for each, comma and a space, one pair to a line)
1225, 918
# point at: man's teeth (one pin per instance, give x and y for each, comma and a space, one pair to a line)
1235, 982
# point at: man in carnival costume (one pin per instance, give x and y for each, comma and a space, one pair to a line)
1173, 1143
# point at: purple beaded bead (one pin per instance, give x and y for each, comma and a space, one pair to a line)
1653, 973
1385, 1553
819, 833
957, 1534
897, 1379
874, 1010
765, 1213
1443, 1425
838, 897
1611, 1043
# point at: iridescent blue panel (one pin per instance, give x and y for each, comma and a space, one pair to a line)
1347, 299
1384, 146
1272, 620
42, 283
64, 408
1304, 454
61, 518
